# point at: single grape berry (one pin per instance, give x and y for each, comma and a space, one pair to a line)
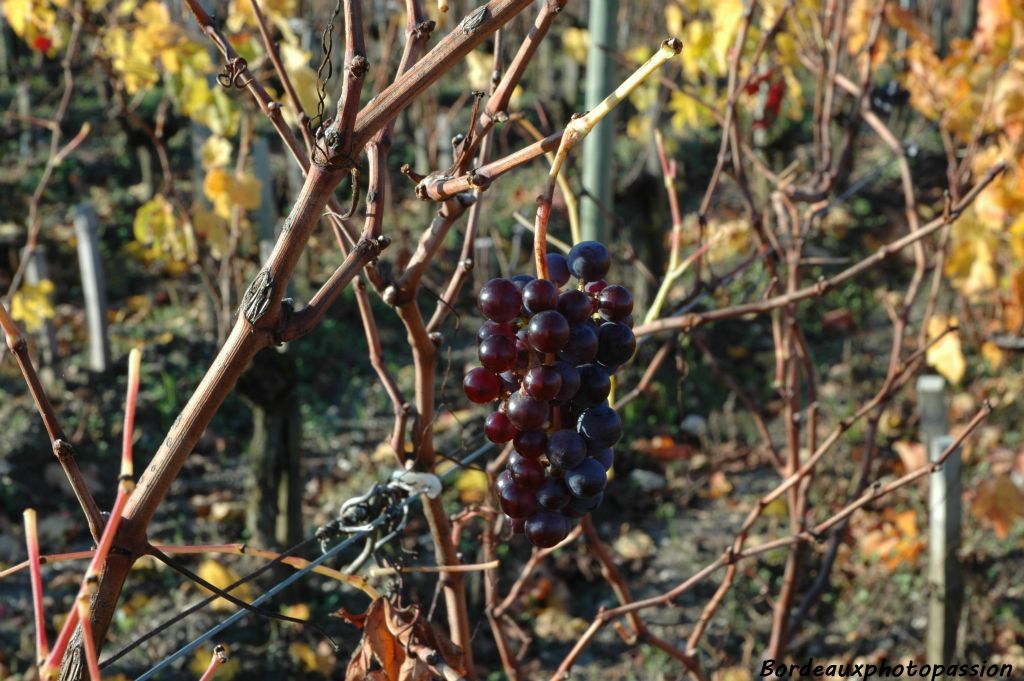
586, 480
503, 480
509, 382
589, 260
518, 525
526, 472
615, 344
570, 381
498, 353
489, 328
518, 501
531, 443
500, 300
498, 428
577, 508
540, 295
525, 412
566, 449
615, 303
553, 494
575, 306
558, 269
582, 345
601, 425
521, 280
481, 386
523, 353
542, 382
548, 331
605, 457
595, 287
546, 529
595, 384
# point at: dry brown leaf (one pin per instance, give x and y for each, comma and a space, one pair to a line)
912, 454
1000, 502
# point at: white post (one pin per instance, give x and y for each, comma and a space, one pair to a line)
93, 286
945, 583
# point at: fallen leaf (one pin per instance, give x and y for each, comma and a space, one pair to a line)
946, 355
912, 454
221, 576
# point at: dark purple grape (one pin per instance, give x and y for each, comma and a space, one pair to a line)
595, 384
570, 381
589, 260
517, 501
566, 449
540, 295
500, 300
575, 306
628, 321
521, 280
526, 472
616, 344
586, 480
498, 428
518, 525
594, 287
548, 331
531, 443
523, 353
605, 457
542, 382
601, 425
509, 382
489, 328
558, 269
498, 353
503, 480
481, 386
582, 345
525, 412
577, 508
615, 303
546, 528
553, 494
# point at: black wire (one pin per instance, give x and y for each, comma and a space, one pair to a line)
160, 628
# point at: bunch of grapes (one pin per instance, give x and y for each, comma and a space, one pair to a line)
548, 355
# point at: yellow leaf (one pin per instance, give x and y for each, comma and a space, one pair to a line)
296, 63
727, 15
298, 611
674, 19
311, 661
156, 227
222, 576
472, 486
479, 67
946, 355
212, 228
216, 152
32, 305
575, 43
992, 354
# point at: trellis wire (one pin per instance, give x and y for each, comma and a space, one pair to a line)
299, 574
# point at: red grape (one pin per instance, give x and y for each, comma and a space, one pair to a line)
531, 443
500, 300
517, 501
548, 331
540, 295
518, 525
546, 529
542, 382
570, 381
526, 472
521, 280
525, 412
595, 287
575, 306
489, 328
498, 428
481, 386
498, 353
577, 508
615, 303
